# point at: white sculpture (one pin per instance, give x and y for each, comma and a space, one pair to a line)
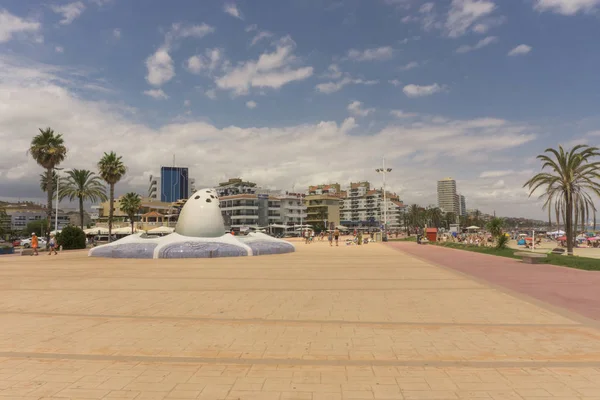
201, 216
200, 233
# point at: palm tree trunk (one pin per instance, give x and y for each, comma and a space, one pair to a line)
81, 211
569, 224
131, 218
50, 193
110, 211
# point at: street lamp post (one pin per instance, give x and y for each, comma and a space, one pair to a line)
57, 198
384, 171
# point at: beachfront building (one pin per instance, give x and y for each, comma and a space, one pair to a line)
172, 185
332, 189
364, 207
19, 214
447, 197
322, 209
152, 214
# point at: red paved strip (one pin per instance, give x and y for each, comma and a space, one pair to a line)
572, 289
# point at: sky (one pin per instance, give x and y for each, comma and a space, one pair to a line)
299, 92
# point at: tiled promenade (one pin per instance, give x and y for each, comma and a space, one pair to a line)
367, 322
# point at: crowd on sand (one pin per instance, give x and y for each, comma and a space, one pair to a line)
358, 237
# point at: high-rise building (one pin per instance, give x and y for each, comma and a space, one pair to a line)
462, 206
174, 184
329, 189
322, 209
447, 198
154, 188
363, 206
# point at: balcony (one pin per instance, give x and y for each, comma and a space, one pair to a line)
244, 217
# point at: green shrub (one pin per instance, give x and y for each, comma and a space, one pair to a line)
71, 238
502, 242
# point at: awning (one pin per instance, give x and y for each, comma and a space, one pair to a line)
162, 229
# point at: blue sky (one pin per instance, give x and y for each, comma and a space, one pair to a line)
302, 92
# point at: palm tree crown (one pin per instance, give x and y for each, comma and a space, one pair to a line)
572, 178
48, 150
83, 185
112, 170
130, 204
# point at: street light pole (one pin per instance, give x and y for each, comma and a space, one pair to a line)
384, 171
57, 189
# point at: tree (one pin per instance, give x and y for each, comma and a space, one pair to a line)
39, 227
572, 176
83, 185
415, 215
71, 238
111, 170
495, 227
450, 218
130, 204
48, 150
321, 216
44, 181
434, 216
4, 220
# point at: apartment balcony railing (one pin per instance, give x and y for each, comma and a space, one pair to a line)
238, 217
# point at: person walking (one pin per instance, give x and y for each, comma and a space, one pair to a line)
34, 244
330, 238
52, 245
336, 235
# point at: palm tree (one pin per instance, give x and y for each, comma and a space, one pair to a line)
48, 150
44, 181
495, 227
573, 174
112, 170
450, 218
434, 215
130, 204
415, 215
83, 185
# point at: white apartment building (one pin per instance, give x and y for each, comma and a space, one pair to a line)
447, 198
462, 205
364, 206
154, 187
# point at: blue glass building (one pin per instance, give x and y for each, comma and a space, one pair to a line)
174, 184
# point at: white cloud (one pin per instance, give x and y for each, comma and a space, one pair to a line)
160, 67
270, 70
59, 49
426, 8
69, 12
374, 54
395, 82
160, 64
464, 14
211, 94
260, 36
497, 174
420, 91
409, 66
479, 45
157, 94
339, 80
251, 28
208, 63
521, 49
232, 10
34, 95
355, 108
593, 133
187, 103
251, 104
401, 114
566, 7
117, 33
11, 26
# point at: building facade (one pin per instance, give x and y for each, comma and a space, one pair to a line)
364, 207
462, 206
322, 209
174, 184
327, 189
18, 215
447, 198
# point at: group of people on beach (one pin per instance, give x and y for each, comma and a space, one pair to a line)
309, 235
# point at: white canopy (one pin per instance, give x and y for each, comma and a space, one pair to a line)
126, 230
96, 231
55, 232
555, 233
279, 226
473, 227
162, 229
341, 228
